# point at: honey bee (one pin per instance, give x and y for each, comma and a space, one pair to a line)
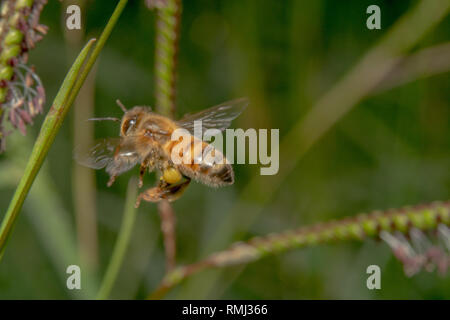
146, 139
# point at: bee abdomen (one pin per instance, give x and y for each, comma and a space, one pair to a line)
198, 162
215, 176
224, 173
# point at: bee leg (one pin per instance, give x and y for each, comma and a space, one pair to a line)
142, 170
170, 192
146, 164
170, 175
111, 180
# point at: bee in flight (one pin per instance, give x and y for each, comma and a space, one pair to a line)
146, 139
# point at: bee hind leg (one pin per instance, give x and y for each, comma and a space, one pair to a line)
169, 192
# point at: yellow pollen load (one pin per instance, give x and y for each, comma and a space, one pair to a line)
171, 175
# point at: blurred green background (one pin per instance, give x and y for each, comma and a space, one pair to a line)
390, 150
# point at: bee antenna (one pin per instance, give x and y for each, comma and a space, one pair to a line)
104, 118
120, 104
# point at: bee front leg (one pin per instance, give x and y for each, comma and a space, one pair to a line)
164, 190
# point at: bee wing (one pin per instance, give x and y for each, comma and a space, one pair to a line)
217, 117
117, 155
99, 154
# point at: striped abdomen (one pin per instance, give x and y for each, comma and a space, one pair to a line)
200, 161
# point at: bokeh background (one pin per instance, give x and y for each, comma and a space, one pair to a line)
392, 149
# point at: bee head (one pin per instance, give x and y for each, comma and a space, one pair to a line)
131, 120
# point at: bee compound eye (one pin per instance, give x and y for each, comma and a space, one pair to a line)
129, 125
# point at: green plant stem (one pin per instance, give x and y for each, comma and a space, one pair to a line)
360, 227
167, 34
123, 240
426, 62
97, 49
84, 192
49, 128
49, 218
61, 105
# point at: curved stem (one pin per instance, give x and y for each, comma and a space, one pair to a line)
49, 128
360, 227
61, 105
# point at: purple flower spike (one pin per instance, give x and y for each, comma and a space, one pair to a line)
421, 252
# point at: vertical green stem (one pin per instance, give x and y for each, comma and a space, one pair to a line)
167, 36
168, 16
98, 48
167, 30
123, 240
84, 191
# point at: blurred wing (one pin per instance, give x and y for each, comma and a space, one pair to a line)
99, 155
217, 117
116, 154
